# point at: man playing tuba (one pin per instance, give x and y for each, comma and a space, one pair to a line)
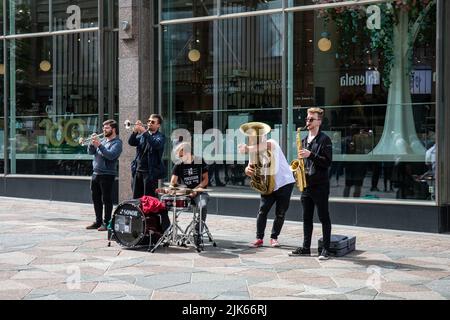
270, 175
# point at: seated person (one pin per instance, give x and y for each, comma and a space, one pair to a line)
192, 172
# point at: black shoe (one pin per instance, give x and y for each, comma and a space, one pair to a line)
324, 255
300, 251
95, 225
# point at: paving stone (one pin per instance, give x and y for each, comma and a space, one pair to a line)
59, 259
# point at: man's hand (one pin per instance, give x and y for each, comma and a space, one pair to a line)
304, 153
139, 127
243, 148
249, 171
193, 194
96, 142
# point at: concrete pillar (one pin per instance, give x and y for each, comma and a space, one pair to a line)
135, 28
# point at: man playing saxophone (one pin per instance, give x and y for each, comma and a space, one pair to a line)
317, 153
279, 188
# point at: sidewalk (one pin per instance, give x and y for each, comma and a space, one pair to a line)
46, 253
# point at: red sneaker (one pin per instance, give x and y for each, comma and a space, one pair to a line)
274, 243
257, 243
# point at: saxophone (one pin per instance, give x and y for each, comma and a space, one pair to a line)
263, 180
298, 166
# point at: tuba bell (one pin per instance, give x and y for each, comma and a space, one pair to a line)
298, 166
262, 161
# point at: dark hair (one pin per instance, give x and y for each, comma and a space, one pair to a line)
113, 124
157, 116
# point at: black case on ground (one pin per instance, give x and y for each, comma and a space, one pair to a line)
340, 245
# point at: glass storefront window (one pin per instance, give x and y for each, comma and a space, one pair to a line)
177, 9
217, 76
53, 102
2, 111
111, 13
1, 19
373, 70
28, 16
233, 6
74, 14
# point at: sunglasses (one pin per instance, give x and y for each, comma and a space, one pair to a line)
151, 121
311, 119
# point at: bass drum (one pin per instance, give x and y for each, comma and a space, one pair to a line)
130, 227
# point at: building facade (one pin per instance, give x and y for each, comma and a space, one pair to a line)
377, 68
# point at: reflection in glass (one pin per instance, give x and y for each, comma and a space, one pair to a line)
233, 6
178, 9
234, 78
75, 14
2, 112
28, 16
380, 104
54, 101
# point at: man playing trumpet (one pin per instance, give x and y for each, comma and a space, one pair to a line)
147, 167
279, 190
106, 153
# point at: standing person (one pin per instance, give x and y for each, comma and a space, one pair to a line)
317, 153
281, 194
106, 154
193, 172
147, 167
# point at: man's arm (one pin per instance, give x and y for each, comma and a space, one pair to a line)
113, 152
325, 156
156, 141
174, 180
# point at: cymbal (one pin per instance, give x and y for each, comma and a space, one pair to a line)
201, 189
174, 185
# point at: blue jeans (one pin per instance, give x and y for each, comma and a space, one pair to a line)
201, 202
282, 198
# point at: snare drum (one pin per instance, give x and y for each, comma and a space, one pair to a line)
181, 202
130, 227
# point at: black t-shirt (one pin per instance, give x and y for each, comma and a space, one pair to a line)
190, 174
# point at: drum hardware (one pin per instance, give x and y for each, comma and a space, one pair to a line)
197, 237
171, 234
175, 234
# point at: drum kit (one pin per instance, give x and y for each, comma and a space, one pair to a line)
131, 228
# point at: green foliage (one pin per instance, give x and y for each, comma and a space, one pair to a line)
355, 37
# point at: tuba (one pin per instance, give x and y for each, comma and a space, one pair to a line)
298, 166
262, 161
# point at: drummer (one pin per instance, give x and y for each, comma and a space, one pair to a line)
193, 173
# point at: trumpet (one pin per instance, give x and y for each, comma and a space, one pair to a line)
128, 125
88, 141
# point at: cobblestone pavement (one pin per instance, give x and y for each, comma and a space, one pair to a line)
46, 253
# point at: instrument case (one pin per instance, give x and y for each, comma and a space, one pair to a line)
339, 245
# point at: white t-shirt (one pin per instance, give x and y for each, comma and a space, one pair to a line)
283, 173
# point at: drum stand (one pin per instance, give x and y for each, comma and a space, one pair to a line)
171, 234
197, 235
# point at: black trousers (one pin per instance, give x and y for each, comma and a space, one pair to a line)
101, 192
316, 196
143, 185
282, 198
